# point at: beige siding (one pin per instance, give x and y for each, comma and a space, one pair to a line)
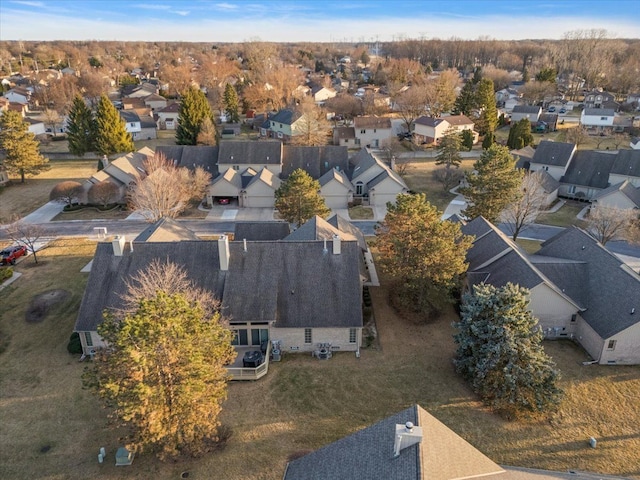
368, 175
385, 191
260, 195
373, 137
615, 178
616, 200
625, 351
589, 339
223, 189
555, 172
552, 311
292, 339
336, 195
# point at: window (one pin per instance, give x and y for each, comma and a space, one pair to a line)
352, 335
374, 130
611, 345
240, 337
88, 339
279, 134
546, 169
603, 118
259, 335
574, 317
363, 131
236, 167
359, 188
307, 336
572, 189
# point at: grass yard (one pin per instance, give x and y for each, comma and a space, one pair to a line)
565, 216
360, 212
92, 213
303, 403
529, 246
21, 199
419, 178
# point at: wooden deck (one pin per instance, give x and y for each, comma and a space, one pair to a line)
238, 372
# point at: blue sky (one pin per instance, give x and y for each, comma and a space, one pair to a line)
314, 20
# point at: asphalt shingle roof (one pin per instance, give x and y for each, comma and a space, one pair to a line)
527, 109
192, 156
316, 161
589, 168
627, 162
553, 153
261, 231
243, 153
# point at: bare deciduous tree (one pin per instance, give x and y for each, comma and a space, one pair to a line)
166, 190
52, 118
66, 192
312, 128
208, 134
25, 233
576, 135
411, 104
606, 223
448, 177
103, 193
169, 278
524, 210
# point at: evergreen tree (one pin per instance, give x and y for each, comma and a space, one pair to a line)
467, 139
520, 135
449, 149
546, 75
164, 373
500, 353
486, 103
194, 108
426, 253
22, 153
492, 185
111, 135
465, 102
477, 75
488, 140
80, 128
525, 75
298, 198
231, 104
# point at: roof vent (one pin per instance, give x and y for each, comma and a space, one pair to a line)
406, 436
633, 310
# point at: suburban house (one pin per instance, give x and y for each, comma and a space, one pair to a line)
154, 102
143, 90
168, 117
321, 94
598, 99
597, 118
375, 183
282, 125
265, 287
140, 127
552, 157
578, 289
18, 95
621, 195
336, 188
530, 112
409, 445
372, 131
430, 130
346, 137
507, 99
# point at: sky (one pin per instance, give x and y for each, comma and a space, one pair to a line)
311, 20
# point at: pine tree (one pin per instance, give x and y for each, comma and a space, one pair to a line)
500, 353
492, 185
520, 135
486, 103
164, 373
467, 139
488, 140
80, 128
465, 102
22, 154
298, 198
449, 149
231, 104
427, 254
111, 135
194, 108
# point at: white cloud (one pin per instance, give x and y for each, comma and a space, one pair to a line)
29, 4
226, 6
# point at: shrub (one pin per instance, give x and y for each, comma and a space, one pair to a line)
5, 274
74, 346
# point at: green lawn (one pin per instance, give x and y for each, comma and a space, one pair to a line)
302, 404
529, 246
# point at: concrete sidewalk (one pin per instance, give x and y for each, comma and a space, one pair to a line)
455, 206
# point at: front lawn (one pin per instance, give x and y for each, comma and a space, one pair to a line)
565, 216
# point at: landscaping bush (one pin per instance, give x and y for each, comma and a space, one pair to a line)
6, 273
72, 208
74, 346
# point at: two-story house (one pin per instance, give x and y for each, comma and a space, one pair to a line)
372, 131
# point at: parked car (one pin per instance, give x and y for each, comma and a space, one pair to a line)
11, 254
223, 200
551, 109
562, 110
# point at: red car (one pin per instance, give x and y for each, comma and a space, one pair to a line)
223, 200
9, 255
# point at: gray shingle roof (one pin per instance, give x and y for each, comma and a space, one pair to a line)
344, 132
549, 184
428, 121
316, 161
527, 109
369, 454
192, 156
346, 226
589, 168
286, 117
250, 152
337, 175
270, 281
317, 228
261, 231
626, 188
569, 275
627, 162
553, 153
610, 288
599, 112
372, 122
165, 230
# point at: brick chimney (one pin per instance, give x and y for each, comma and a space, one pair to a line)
223, 252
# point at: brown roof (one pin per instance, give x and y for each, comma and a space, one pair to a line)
458, 120
372, 122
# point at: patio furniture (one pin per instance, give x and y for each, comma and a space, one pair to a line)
123, 457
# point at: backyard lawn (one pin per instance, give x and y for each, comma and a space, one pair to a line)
53, 429
419, 178
565, 216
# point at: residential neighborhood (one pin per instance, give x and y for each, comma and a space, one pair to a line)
317, 251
